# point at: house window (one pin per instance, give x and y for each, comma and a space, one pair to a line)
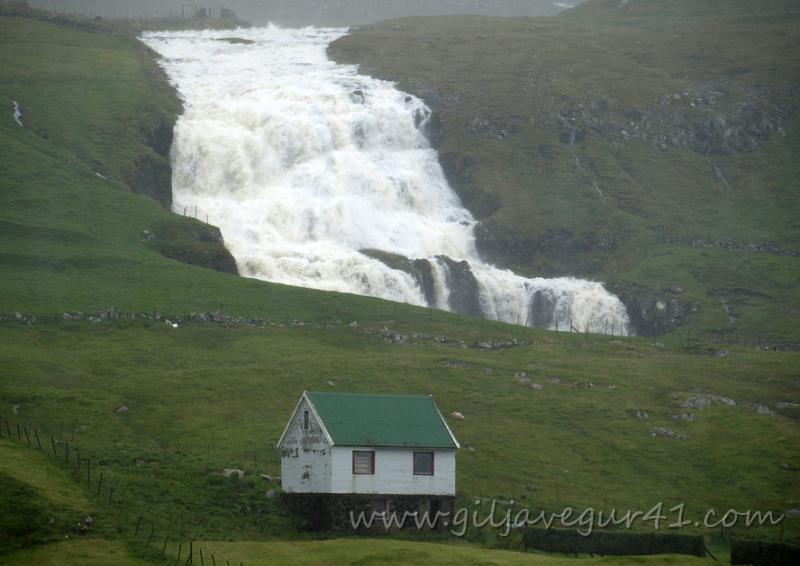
423, 463
363, 462
306, 421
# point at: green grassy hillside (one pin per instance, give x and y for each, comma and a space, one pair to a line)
650, 144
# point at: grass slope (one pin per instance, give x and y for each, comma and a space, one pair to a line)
550, 128
205, 397
39, 503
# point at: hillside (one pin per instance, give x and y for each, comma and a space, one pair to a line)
649, 144
161, 410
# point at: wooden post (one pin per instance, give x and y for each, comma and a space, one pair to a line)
150, 538
38, 442
53, 444
19, 434
66, 452
180, 549
202, 560
100, 483
164, 549
28, 436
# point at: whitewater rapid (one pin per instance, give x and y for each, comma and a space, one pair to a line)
304, 165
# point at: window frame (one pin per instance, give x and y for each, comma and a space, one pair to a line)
306, 419
371, 462
433, 463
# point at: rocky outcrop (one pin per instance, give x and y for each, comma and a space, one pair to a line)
464, 291
542, 309
194, 243
710, 119
654, 312
419, 269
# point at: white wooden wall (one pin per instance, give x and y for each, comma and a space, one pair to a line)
305, 456
394, 473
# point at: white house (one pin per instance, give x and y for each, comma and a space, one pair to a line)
368, 444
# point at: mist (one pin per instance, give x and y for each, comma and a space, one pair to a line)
306, 12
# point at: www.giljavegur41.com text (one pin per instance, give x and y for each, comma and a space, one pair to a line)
583, 521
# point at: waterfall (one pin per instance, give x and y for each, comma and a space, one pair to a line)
304, 164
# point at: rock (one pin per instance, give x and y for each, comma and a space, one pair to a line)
229, 472
353, 324
121, 410
761, 409
792, 513
521, 375
689, 417
536, 386
464, 290
530, 487
456, 415
330, 383
641, 415
664, 432
542, 309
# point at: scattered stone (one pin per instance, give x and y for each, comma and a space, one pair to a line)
330, 383
229, 472
15, 408
457, 365
488, 371
536, 386
530, 487
554, 379
722, 353
121, 410
761, 409
704, 400
521, 375
664, 432
675, 290
688, 417
84, 525
641, 415
353, 324
456, 415
792, 513
790, 467
786, 405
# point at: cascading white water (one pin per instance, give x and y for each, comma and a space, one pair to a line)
304, 163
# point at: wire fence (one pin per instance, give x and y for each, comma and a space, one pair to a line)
90, 468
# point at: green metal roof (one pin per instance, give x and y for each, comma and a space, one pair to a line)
382, 420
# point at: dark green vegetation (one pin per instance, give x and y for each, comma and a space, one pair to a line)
161, 412
651, 144
610, 543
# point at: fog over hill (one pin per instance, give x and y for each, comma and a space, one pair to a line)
307, 12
